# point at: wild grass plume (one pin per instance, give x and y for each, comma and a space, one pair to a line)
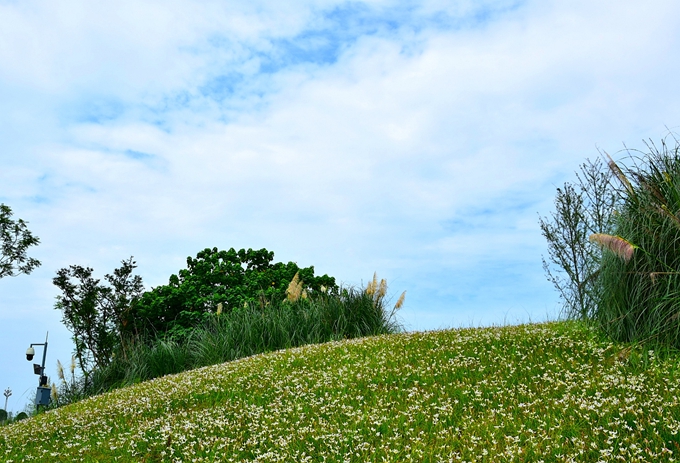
619, 246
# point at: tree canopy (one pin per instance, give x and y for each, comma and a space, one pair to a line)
95, 312
16, 239
230, 278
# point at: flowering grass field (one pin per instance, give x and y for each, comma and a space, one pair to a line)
538, 392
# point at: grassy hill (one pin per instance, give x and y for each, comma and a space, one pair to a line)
539, 392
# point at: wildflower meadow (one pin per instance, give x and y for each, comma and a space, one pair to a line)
557, 391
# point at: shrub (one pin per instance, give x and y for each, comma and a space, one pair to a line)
638, 296
231, 278
281, 323
618, 243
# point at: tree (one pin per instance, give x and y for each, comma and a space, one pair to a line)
95, 313
581, 210
16, 239
230, 278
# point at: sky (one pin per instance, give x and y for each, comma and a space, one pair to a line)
420, 140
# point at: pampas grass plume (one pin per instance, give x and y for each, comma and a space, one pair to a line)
60, 371
400, 301
294, 288
383, 288
372, 285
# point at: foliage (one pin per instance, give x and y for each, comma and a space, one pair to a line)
16, 239
625, 276
7, 418
232, 278
581, 209
70, 388
96, 313
554, 392
639, 297
253, 330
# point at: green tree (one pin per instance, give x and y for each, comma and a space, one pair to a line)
96, 313
581, 210
230, 278
16, 239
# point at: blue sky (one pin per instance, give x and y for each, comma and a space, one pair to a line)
420, 140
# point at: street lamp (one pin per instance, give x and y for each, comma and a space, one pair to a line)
42, 396
7, 394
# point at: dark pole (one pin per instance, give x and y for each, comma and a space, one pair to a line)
42, 368
38, 398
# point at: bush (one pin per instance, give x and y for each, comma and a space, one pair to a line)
638, 295
229, 279
294, 321
625, 276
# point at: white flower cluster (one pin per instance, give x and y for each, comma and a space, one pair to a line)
546, 392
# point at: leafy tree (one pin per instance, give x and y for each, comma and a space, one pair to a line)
581, 210
230, 278
97, 313
16, 239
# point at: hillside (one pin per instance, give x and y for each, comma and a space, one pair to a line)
539, 392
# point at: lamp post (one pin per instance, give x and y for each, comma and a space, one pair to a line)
7, 393
42, 396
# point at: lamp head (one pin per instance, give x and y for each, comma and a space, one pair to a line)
30, 352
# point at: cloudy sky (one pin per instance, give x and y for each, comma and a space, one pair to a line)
418, 139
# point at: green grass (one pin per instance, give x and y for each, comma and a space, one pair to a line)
539, 392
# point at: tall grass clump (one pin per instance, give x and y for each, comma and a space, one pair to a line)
299, 320
638, 283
